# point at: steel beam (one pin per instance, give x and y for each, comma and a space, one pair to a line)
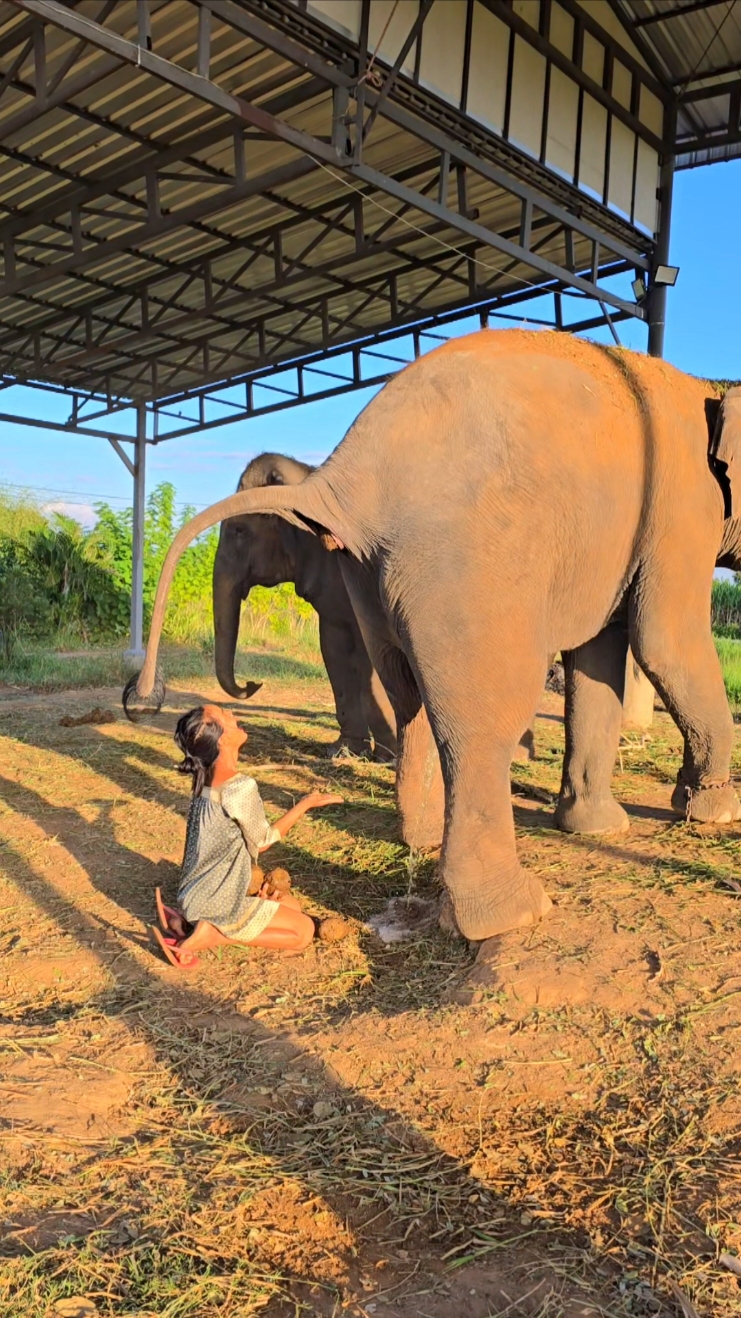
162, 224
136, 645
41, 423
245, 111
153, 156
246, 22
679, 11
489, 239
657, 292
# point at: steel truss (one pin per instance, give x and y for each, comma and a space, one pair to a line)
198, 259
240, 306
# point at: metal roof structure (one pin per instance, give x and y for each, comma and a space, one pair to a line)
694, 48
214, 208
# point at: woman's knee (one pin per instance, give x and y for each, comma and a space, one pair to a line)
304, 930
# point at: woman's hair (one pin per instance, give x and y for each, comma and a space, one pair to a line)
198, 738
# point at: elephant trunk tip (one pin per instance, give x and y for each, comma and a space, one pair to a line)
236, 691
136, 703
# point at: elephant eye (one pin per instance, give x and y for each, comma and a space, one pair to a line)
274, 478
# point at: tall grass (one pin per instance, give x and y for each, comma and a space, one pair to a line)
269, 617
278, 637
726, 608
729, 653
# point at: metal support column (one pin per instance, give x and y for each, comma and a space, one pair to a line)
657, 292
638, 701
136, 648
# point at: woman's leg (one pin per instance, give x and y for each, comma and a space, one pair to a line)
289, 931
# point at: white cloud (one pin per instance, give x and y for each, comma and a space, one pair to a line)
83, 513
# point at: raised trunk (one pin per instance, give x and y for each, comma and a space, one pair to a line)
227, 605
308, 505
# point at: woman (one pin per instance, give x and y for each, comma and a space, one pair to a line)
227, 830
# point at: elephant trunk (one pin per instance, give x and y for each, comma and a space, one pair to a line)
307, 505
227, 603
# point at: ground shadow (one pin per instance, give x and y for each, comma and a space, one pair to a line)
370, 1182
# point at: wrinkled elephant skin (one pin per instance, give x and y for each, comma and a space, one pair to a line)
505, 497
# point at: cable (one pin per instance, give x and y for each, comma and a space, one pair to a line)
448, 247
713, 39
87, 495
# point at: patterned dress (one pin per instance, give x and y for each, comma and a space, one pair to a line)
226, 828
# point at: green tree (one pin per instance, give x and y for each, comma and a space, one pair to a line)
111, 539
23, 608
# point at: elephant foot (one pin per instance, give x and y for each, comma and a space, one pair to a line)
350, 748
422, 834
499, 911
577, 815
708, 803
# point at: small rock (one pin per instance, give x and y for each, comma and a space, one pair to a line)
75, 1306
322, 1110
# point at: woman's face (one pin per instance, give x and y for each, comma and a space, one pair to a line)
233, 736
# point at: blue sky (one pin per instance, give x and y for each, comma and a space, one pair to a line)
703, 337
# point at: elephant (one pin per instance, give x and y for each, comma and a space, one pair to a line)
504, 497
593, 714
264, 551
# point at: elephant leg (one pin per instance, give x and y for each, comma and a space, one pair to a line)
348, 671
381, 719
671, 639
490, 893
595, 676
420, 793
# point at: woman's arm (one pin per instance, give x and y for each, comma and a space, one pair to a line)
292, 816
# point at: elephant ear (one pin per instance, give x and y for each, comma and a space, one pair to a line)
725, 448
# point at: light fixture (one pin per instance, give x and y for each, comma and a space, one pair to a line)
666, 274
639, 289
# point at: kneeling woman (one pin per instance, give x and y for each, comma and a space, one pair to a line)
227, 830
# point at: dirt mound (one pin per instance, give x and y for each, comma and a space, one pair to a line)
94, 716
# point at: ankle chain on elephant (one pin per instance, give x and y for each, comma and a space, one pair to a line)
691, 792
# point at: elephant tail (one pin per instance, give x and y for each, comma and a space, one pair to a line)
309, 505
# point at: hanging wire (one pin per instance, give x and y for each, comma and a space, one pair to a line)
718, 29
447, 246
387, 25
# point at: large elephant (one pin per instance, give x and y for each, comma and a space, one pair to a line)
264, 551
502, 498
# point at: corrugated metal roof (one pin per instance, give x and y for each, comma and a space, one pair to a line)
695, 49
148, 250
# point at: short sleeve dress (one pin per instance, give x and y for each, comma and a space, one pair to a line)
226, 828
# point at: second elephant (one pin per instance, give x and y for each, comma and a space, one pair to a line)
265, 551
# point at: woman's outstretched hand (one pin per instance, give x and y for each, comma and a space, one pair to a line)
310, 802
315, 799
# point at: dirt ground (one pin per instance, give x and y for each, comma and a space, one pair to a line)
550, 1128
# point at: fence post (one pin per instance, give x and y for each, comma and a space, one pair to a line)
638, 701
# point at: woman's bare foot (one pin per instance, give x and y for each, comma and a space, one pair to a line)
171, 920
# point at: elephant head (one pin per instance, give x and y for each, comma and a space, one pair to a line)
310, 506
252, 551
725, 460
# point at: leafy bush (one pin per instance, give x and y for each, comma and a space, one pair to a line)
110, 544
22, 609
726, 608
58, 580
